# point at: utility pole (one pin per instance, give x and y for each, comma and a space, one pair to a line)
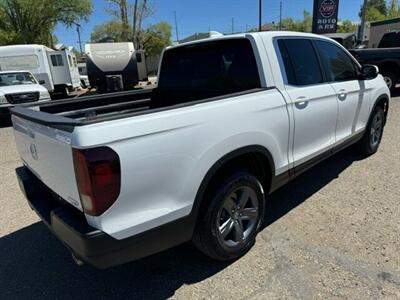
78, 29
176, 28
260, 15
280, 15
233, 25
361, 37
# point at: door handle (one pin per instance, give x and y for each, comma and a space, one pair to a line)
301, 102
342, 94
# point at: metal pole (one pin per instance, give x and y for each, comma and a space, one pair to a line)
260, 15
176, 28
361, 37
78, 27
280, 15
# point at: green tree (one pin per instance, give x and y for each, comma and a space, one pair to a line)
346, 26
373, 14
393, 9
304, 25
109, 31
122, 14
25, 22
379, 5
154, 38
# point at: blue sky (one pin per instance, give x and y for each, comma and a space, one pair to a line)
200, 15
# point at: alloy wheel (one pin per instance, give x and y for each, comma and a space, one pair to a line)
376, 130
238, 217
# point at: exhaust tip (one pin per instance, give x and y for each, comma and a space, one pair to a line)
77, 261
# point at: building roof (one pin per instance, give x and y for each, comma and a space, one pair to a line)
340, 35
385, 22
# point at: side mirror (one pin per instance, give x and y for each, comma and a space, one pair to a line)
42, 81
369, 72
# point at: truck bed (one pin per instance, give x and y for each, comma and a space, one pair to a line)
66, 114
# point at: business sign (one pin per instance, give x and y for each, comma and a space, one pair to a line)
325, 16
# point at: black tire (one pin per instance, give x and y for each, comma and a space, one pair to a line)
390, 79
371, 140
209, 237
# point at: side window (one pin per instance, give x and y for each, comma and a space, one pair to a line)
56, 60
301, 63
138, 57
338, 64
70, 60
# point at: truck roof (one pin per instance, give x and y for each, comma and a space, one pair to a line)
16, 71
265, 34
15, 49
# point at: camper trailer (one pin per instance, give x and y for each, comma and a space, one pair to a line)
57, 68
114, 67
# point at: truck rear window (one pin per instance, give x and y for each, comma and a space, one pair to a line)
208, 69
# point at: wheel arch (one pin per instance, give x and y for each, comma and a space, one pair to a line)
259, 158
382, 101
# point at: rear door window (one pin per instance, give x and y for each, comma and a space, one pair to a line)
209, 69
300, 62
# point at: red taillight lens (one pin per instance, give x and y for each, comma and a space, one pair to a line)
98, 175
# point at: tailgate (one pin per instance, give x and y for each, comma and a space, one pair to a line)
47, 152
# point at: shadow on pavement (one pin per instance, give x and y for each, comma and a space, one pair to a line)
34, 264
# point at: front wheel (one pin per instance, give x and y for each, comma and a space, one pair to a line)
228, 228
371, 140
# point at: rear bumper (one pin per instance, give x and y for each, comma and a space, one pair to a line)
89, 244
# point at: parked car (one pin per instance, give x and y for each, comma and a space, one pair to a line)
386, 57
57, 68
19, 87
233, 118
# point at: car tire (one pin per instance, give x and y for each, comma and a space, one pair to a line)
371, 140
390, 80
229, 225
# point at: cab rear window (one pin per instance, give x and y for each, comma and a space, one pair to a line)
209, 69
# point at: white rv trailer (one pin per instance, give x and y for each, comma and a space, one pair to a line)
57, 68
114, 66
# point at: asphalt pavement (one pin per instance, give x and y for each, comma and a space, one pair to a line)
333, 233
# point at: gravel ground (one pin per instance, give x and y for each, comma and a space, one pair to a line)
333, 233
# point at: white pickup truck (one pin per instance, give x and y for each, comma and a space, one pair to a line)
233, 118
19, 88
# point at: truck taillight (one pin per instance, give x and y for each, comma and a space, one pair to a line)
98, 175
